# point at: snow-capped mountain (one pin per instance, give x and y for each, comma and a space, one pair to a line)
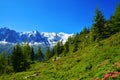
44, 39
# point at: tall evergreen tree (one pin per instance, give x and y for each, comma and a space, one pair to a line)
26, 51
3, 63
17, 59
76, 41
66, 48
52, 52
39, 55
85, 31
59, 48
98, 26
75, 46
115, 20
47, 53
107, 30
32, 54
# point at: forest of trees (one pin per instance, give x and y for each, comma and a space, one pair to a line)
22, 56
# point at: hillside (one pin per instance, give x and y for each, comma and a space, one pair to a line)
90, 63
91, 54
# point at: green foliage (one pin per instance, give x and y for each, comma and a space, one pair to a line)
16, 56
98, 26
76, 41
115, 20
26, 51
85, 31
90, 56
66, 48
32, 55
75, 47
91, 62
59, 48
47, 53
19, 58
3, 63
39, 55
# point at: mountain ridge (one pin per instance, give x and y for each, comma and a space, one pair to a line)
33, 38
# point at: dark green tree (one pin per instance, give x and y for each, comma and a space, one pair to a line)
39, 55
76, 42
66, 48
52, 52
107, 30
98, 26
115, 20
17, 59
85, 31
59, 48
26, 51
75, 46
32, 55
3, 63
47, 53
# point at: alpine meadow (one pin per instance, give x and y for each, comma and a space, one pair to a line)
91, 54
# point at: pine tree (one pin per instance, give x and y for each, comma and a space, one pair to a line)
3, 63
115, 20
75, 46
52, 52
76, 42
107, 30
32, 54
66, 48
47, 53
85, 31
98, 26
16, 58
39, 55
19, 59
26, 51
59, 48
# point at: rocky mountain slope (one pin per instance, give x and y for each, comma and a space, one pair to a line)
10, 37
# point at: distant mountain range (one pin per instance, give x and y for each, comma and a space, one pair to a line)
8, 38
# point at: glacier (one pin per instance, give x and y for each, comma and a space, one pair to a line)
33, 38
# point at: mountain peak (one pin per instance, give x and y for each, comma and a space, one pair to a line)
35, 31
43, 38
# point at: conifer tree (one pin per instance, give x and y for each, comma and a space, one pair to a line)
58, 48
85, 31
17, 58
98, 26
115, 20
52, 52
3, 63
47, 53
39, 55
76, 41
26, 51
32, 54
66, 48
75, 46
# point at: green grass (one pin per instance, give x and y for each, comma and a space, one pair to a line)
92, 62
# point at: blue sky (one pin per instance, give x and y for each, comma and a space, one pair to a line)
69, 16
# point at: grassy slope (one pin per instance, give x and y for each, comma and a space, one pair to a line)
91, 62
